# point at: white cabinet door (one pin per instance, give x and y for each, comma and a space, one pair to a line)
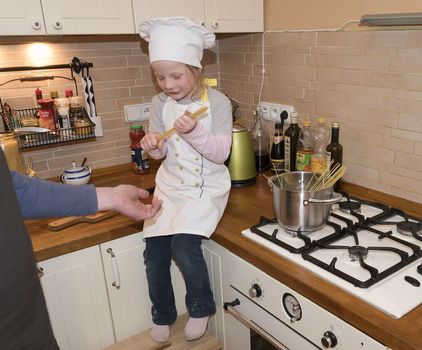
77, 301
127, 285
88, 16
145, 9
214, 256
233, 16
21, 17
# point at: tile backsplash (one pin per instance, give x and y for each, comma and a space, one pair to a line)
371, 82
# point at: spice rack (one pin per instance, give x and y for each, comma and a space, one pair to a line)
30, 137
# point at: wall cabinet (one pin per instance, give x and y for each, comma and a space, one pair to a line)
99, 295
220, 16
60, 17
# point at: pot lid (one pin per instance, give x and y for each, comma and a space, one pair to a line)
76, 169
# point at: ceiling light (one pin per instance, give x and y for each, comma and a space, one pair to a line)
392, 19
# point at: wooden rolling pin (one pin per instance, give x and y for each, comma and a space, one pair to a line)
73, 220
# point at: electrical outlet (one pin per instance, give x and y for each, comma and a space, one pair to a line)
265, 110
137, 113
275, 110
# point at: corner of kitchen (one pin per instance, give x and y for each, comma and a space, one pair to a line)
320, 245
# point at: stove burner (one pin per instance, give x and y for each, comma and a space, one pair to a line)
348, 206
409, 228
357, 251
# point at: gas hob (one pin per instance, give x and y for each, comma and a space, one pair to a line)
370, 250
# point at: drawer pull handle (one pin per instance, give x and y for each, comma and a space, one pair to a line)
114, 269
229, 307
40, 271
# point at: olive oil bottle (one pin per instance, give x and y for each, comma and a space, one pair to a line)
335, 149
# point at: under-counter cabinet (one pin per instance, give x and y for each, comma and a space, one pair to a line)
60, 17
99, 295
220, 16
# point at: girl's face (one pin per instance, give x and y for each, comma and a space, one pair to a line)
174, 78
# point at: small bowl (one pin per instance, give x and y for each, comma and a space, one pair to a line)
76, 175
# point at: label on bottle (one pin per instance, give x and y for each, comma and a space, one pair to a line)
303, 160
287, 153
318, 163
277, 139
140, 162
277, 165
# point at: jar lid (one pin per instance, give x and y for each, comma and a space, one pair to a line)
135, 127
74, 169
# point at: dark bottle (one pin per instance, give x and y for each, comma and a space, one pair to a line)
277, 150
291, 138
140, 162
261, 142
335, 149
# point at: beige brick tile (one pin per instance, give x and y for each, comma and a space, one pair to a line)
113, 84
245, 97
138, 60
88, 55
233, 57
233, 49
82, 148
412, 174
284, 59
253, 58
106, 106
116, 74
109, 62
362, 150
362, 181
291, 39
410, 196
401, 182
112, 124
376, 63
395, 80
361, 136
375, 102
405, 65
411, 122
106, 94
355, 51
148, 90
110, 45
398, 144
418, 148
113, 161
244, 69
234, 40
363, 171
370, 38
414, 39
226, 67
408, 161
298, 50
291, 72
371, 163
415, 136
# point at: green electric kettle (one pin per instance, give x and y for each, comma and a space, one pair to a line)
241, 161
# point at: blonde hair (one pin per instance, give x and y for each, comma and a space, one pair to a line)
199, 85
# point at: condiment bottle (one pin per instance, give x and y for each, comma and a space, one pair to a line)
277, 149
38, 94
304, 148
46, 114
291, 138
68, 92
319, 159
140, 162
261, 142
335, 149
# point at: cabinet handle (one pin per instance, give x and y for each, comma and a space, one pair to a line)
57, 24
114, 269
40, 271
36, 24
229, 307
215, 24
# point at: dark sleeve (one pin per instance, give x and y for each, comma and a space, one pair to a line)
42, 199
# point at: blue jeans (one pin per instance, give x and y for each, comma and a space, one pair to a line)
186, 250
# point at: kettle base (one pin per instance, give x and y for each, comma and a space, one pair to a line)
244, 183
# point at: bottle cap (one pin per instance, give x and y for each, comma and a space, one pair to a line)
321, 120
68, 92
135, 127
307, 123
335, 125
293, 117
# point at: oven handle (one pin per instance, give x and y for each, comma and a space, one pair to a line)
229, 307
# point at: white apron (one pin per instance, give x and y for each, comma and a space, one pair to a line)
194, 189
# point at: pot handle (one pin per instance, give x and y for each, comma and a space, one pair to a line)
337, 197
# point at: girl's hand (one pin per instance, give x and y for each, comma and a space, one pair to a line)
150, 142
185, 124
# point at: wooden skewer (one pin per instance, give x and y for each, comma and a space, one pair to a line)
195, 114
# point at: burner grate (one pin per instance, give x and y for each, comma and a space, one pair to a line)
404, 251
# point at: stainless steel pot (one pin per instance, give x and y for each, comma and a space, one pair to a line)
297, 209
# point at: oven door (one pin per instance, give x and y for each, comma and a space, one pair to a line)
250, 327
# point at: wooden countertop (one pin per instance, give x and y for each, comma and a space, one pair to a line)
244, 208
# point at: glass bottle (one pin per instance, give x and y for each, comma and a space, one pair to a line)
304, 148
277, 149
261, 142
321, 136
291, 138
140, 162
335, 149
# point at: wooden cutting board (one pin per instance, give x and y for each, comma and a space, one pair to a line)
73, 220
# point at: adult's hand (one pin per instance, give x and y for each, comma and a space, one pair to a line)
126, 199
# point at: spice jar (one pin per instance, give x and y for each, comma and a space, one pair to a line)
83, 126
76, 110
10, 146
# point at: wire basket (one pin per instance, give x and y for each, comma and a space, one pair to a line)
21, 118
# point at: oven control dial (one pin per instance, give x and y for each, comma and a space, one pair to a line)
255, 291
292, 307
329, 340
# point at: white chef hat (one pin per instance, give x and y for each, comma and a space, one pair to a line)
176, 39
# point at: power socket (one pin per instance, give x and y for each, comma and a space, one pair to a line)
274, 112
137, 113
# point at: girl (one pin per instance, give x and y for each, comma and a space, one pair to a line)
192, 180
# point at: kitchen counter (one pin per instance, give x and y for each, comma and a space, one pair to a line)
244, 208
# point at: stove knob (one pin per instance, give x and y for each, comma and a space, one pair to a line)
329, 340
255, 291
